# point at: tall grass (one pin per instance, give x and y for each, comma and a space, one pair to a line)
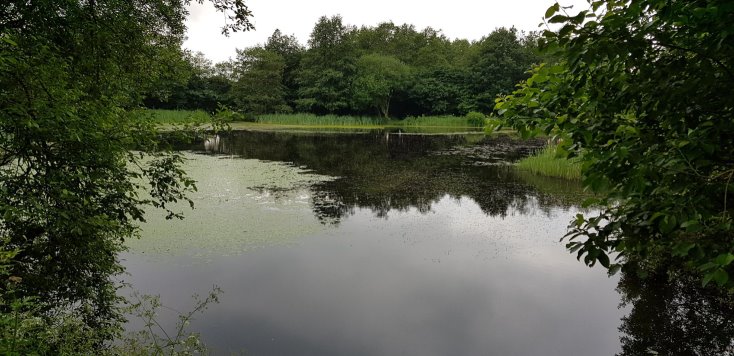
303, 119
447, 120
334, 120
178, 116
319, 120
545, 162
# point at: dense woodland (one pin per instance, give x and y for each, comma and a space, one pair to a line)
387, 70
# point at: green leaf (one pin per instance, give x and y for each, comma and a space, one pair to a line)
558, 19
655, 216
565, 30
724, 259
552, 10
682, 249
573, 247
613, 269
7, 40
579, 219
707, 279
667, 224
707, 266
691, 226
720, 276
603, 259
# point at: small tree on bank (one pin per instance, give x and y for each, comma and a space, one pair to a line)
378, 78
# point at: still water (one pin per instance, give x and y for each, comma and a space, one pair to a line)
378, 244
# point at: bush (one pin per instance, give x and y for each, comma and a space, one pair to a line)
475, 119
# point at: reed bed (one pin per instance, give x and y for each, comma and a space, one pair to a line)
447, 120
421, 123
178, 116
545, 162
319, 120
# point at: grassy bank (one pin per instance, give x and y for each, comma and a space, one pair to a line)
546, 163
310, 120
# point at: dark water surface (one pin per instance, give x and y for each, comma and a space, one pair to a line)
379, 244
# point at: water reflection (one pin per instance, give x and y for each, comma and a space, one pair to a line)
408, 244
450, 282
213, 144
676, 317
387, 172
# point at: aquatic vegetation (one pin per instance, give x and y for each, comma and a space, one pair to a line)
447, 120
546, 162
319, 120
240, 204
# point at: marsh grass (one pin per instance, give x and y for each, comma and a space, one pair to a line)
336, 120
410, 124
319, 120
161, 116
546, 162
447, 121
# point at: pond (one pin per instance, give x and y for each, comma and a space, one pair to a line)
377, 243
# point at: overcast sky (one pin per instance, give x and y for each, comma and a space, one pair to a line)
470, 19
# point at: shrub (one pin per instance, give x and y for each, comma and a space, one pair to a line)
475, 119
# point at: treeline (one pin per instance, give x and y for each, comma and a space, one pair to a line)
388, 70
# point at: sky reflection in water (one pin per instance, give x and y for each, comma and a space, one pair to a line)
366, 246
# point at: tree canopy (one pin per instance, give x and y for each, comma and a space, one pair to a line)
325, 78
338, 72
377, 79
78, 163
642, 92
259, 84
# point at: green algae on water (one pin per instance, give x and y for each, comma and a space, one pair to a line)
240, 204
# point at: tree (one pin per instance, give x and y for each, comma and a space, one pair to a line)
502, 61
259, 87
378, 77
427, 48
198, 84
327, 68
287, 46
71, 186
441, 91
642, 91
169, 83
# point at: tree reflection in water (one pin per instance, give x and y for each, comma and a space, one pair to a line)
385, 173
674, 316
